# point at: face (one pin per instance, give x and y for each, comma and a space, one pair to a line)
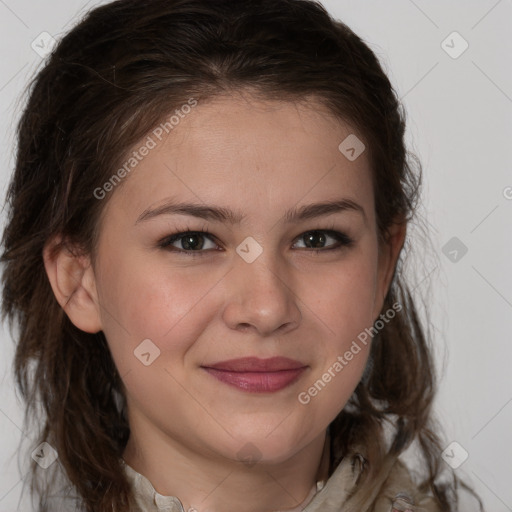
254, 271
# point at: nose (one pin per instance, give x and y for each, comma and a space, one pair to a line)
262, 296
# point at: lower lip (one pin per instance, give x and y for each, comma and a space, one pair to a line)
257, 382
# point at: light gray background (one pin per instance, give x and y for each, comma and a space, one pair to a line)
459, 124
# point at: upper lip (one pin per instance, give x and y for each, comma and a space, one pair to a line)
255, 364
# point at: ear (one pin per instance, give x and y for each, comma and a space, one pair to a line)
73, 282
389, 251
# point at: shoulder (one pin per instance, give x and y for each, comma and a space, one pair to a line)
400, 492
392, 489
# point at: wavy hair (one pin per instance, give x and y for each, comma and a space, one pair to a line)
109, 81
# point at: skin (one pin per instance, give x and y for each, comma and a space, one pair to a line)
260, 158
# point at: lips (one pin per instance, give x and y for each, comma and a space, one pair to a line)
255, 375
254, 364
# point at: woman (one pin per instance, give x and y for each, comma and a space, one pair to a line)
208, 208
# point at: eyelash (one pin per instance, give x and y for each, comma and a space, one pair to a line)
166, 243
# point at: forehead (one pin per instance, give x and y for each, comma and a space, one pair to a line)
255, 155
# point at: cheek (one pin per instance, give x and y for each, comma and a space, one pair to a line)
343, 297
156, 303
342, 302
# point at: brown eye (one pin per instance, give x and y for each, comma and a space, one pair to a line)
317, 239
188, 242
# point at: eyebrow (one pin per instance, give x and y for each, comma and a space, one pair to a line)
219, 214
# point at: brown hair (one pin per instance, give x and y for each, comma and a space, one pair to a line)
107, 83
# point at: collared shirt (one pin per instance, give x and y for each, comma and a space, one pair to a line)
395, 492
149, 500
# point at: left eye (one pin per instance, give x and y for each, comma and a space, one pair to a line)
318, 237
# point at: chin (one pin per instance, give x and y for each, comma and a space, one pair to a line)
265, 445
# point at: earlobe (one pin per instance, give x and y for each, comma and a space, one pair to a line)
73, 283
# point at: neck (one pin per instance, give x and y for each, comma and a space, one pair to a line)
216, 485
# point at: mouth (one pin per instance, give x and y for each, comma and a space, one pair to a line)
255, 375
